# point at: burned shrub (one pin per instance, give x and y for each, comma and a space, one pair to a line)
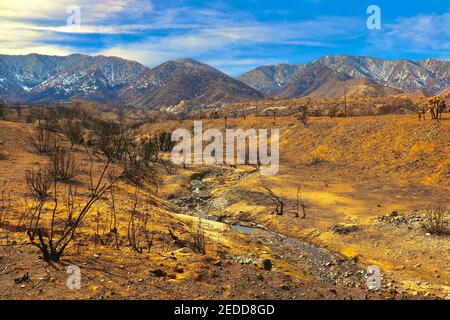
73, 131
279, 203
137, 232
112, 139
164, 141
39, 182
197, 239
435, 220
63, 165
43, 234
149, 152
44, 141
302, 114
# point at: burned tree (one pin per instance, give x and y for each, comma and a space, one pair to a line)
279, 203
300, 203
302, 114
51, 246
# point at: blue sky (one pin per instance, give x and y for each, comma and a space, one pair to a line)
233, 36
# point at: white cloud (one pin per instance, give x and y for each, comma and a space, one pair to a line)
51, 10
419, 34
219, 36
169, 33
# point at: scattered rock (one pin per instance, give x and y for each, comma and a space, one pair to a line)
158, 273
184, 250
217, 263
266, 264
22, 279
345, 228
178, 269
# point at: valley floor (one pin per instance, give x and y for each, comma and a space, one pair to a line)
350, 172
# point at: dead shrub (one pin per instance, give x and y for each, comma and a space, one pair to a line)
137, 232
73, 131
197, 238
302, 114
63, 165
39, 182
149, 152
279, 203
113, 139
435, 220
52, 242
5, 203
44, 141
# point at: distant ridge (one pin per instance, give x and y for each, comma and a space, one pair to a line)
50, 79
186, 84
429, 75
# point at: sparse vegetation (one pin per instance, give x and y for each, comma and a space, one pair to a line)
435, 222
197, 237
62, 225
39, 182
42, 232
5, 202
73, 131
63, 166
279, 203
44, 141
302, 114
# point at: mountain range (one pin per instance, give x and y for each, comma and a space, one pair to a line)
42, 79
39, 79
330, 76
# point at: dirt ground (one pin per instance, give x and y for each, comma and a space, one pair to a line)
350, 172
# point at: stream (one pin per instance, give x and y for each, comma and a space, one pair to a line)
329, 267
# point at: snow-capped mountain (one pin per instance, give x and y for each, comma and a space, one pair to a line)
48, 79
429, 75
186, 80
269, 79
94, 78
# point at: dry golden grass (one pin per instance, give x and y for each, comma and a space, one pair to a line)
350, 170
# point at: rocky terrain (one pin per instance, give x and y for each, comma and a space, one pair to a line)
49, 79
383, 76
186, 84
